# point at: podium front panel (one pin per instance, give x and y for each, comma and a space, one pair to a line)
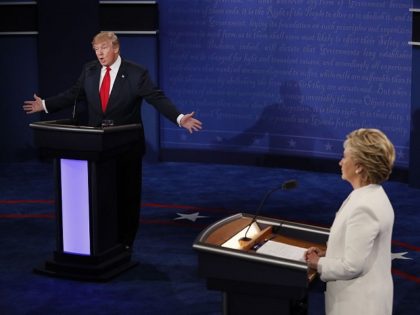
75, 206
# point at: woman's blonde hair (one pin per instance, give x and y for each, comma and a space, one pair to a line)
371, 150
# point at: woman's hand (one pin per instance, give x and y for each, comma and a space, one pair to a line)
312, 256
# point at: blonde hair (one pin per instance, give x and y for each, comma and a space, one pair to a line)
373, 152
106, 36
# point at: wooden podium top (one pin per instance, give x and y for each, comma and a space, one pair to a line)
222, 231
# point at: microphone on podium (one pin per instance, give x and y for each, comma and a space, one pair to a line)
289, 184
73, 116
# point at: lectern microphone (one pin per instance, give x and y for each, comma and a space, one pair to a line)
73, 116
289, 184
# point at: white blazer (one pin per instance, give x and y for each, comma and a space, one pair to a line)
357, 264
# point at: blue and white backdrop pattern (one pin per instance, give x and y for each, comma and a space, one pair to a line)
287, 77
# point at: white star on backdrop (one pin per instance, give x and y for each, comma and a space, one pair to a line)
399, 256
219, 139
292, 143
191, 216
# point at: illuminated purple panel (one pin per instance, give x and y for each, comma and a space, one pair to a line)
75, 206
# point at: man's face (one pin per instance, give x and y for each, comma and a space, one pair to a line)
106, 53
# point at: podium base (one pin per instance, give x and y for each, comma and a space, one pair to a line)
241, 297
86, 268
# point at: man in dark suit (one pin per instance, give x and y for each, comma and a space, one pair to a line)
113, 89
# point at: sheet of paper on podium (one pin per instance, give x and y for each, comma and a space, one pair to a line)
283, 250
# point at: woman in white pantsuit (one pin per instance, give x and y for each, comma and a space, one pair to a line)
357, 262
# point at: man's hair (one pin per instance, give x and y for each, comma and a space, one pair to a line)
105, 36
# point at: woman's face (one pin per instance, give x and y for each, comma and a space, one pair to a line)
349, 168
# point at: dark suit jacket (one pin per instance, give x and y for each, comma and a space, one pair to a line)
132, 85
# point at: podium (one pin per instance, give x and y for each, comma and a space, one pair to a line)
251, 282
84, 159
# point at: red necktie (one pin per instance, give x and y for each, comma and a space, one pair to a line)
104, 91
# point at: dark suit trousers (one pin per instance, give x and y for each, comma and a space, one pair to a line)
129, 176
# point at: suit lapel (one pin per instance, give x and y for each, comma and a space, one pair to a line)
92, 84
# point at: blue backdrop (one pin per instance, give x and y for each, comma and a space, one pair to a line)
17, 84
287, 77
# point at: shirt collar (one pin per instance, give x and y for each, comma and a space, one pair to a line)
115, 66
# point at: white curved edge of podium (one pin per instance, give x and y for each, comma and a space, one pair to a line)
251, 256
56, 126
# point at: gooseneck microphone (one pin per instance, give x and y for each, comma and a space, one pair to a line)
74, 105
289, 184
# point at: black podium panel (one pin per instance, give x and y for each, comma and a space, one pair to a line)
85, 168
59, 138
